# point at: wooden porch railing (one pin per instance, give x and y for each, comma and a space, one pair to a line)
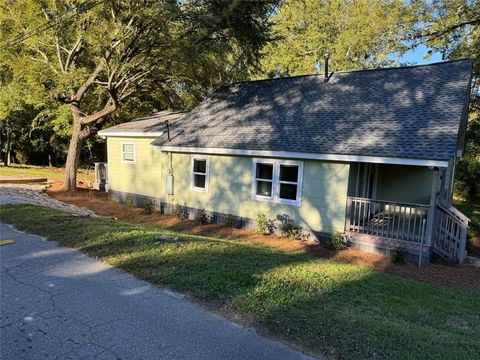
396, 220
450, 233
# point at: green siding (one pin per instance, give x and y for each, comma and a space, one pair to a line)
404, 183
324, 189
144, 177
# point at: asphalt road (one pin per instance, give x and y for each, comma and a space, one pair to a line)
57, 303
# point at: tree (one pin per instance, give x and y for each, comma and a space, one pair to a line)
357, 34
91, 57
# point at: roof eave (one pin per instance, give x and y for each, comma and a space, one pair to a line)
107, 133
305, 156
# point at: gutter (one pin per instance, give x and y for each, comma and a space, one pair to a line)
306, 156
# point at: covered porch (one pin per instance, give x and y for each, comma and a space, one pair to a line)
391, 206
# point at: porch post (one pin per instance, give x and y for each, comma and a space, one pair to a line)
348, 213
431, 209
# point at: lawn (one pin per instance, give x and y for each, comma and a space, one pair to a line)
345, 310
52, 173
472, 210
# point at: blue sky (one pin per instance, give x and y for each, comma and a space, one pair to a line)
415, 56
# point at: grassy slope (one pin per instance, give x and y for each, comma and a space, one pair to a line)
55, 174
348, 310
471, 210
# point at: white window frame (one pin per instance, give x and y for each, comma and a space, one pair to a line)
276, 181
123, 152
207, 172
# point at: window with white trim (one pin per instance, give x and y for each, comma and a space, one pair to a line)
200, 167
128, 153
277, 180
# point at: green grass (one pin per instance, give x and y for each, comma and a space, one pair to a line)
52, 173
351, 311
472, 210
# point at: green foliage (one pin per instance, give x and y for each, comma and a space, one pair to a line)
129, 201
180, 211
290, 229
265, 226
143, 56
202, 217
399, 255
338, 241
148, 207
357, 34
229, 221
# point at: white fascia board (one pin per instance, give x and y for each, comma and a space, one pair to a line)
105, 134
307, 156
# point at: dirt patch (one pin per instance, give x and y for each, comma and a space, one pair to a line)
475, 246
459, 277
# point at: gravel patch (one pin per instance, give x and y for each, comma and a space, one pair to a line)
33, 194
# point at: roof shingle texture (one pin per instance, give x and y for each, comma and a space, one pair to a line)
149, 124
409, 112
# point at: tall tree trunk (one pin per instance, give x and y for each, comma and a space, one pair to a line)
73, 157
8, 153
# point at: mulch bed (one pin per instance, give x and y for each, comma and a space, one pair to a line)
458, 277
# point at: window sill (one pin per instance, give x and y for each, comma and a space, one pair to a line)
202, 190
277, 201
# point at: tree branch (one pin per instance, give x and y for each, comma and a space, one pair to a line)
73, 52
110, 106
439, 33
59, 54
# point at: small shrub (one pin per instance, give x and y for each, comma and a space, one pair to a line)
399, 255
265, 226
203, 218
180, 211
338, 241
149, 207
289, 229
90, 194
129, 202
229, 221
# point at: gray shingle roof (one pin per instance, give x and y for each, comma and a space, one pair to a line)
150, 124
408, 112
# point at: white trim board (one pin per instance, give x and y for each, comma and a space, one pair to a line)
206, 174
306, 156
122, 153
130, 134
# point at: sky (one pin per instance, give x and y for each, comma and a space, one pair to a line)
415, 56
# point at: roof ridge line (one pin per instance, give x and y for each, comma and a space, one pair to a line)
350, 71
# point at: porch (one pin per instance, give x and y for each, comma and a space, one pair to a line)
431, 227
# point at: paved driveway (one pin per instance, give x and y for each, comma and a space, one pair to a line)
57, 303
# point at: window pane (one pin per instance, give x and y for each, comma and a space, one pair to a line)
288, 191
289, 173
128, 148
264, 171
199, 181
128, 157
200, 166
264, 188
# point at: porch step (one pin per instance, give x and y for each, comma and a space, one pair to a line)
472, 260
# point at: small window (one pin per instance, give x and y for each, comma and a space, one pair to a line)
199, 175
264, 179
128, 153
288, 182
277, 180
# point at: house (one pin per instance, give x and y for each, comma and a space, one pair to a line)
368, 152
